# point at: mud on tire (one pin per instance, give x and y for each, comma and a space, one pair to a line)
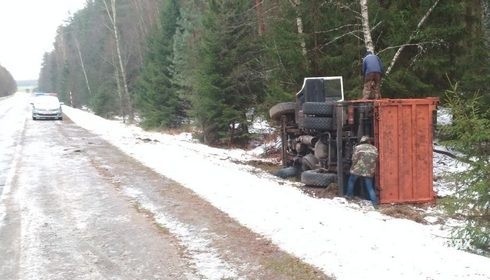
280, 109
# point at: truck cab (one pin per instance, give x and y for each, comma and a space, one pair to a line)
309, 129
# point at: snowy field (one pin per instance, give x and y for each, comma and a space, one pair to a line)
345, 240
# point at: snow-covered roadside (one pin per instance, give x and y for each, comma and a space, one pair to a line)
343, 241
11, 127
203, 257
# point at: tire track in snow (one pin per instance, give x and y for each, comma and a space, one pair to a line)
5, 191
15, 137
205, 259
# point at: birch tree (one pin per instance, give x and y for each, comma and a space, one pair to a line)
366, 30
299, 24
126, 106
82, 64
411, 38
145, 14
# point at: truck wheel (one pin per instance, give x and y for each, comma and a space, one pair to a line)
280, 109
317, 178
321, 123
309, 162
287, 172
318, 108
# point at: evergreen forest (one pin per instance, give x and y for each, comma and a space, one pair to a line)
215, 66
8, 85
218, 64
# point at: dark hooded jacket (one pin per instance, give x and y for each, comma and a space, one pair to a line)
371, 64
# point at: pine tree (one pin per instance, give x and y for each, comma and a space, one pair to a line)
470, 135
285, 63
186, 55
156, 96
229, 82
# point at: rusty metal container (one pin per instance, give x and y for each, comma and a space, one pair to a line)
403, 131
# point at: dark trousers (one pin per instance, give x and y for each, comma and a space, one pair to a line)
368, 182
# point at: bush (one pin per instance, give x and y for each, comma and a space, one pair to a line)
470, 134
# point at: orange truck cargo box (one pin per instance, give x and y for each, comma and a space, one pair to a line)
403, 131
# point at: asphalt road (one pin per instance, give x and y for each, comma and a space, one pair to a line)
74, 207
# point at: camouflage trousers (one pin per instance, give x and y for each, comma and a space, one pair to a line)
371, 89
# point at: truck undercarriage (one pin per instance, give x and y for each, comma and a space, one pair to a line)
320, 129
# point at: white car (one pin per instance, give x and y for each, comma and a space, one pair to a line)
46, 107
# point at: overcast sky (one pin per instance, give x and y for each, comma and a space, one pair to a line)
27, 30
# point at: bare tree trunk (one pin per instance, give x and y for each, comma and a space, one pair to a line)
485, 19
366, 30
414, 33
62, 46
299, 25
119, 89
141, 20
142, 27
77, 44
126, 102
260, 16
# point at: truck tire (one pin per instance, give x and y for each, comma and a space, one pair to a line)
317, 178
318, 108
309, 162
320, 123
287, 172
280, 109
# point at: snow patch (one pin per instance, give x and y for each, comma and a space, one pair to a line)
331, 234
206, 260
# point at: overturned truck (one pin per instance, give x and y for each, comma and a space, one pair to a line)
320, 129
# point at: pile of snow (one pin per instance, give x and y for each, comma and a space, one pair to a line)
343, 239
444, 165
444, 116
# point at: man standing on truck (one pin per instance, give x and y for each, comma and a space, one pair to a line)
363, 165
372, 70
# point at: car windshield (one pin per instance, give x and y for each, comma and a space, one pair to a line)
47, 101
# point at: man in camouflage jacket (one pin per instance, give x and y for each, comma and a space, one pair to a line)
364, 161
